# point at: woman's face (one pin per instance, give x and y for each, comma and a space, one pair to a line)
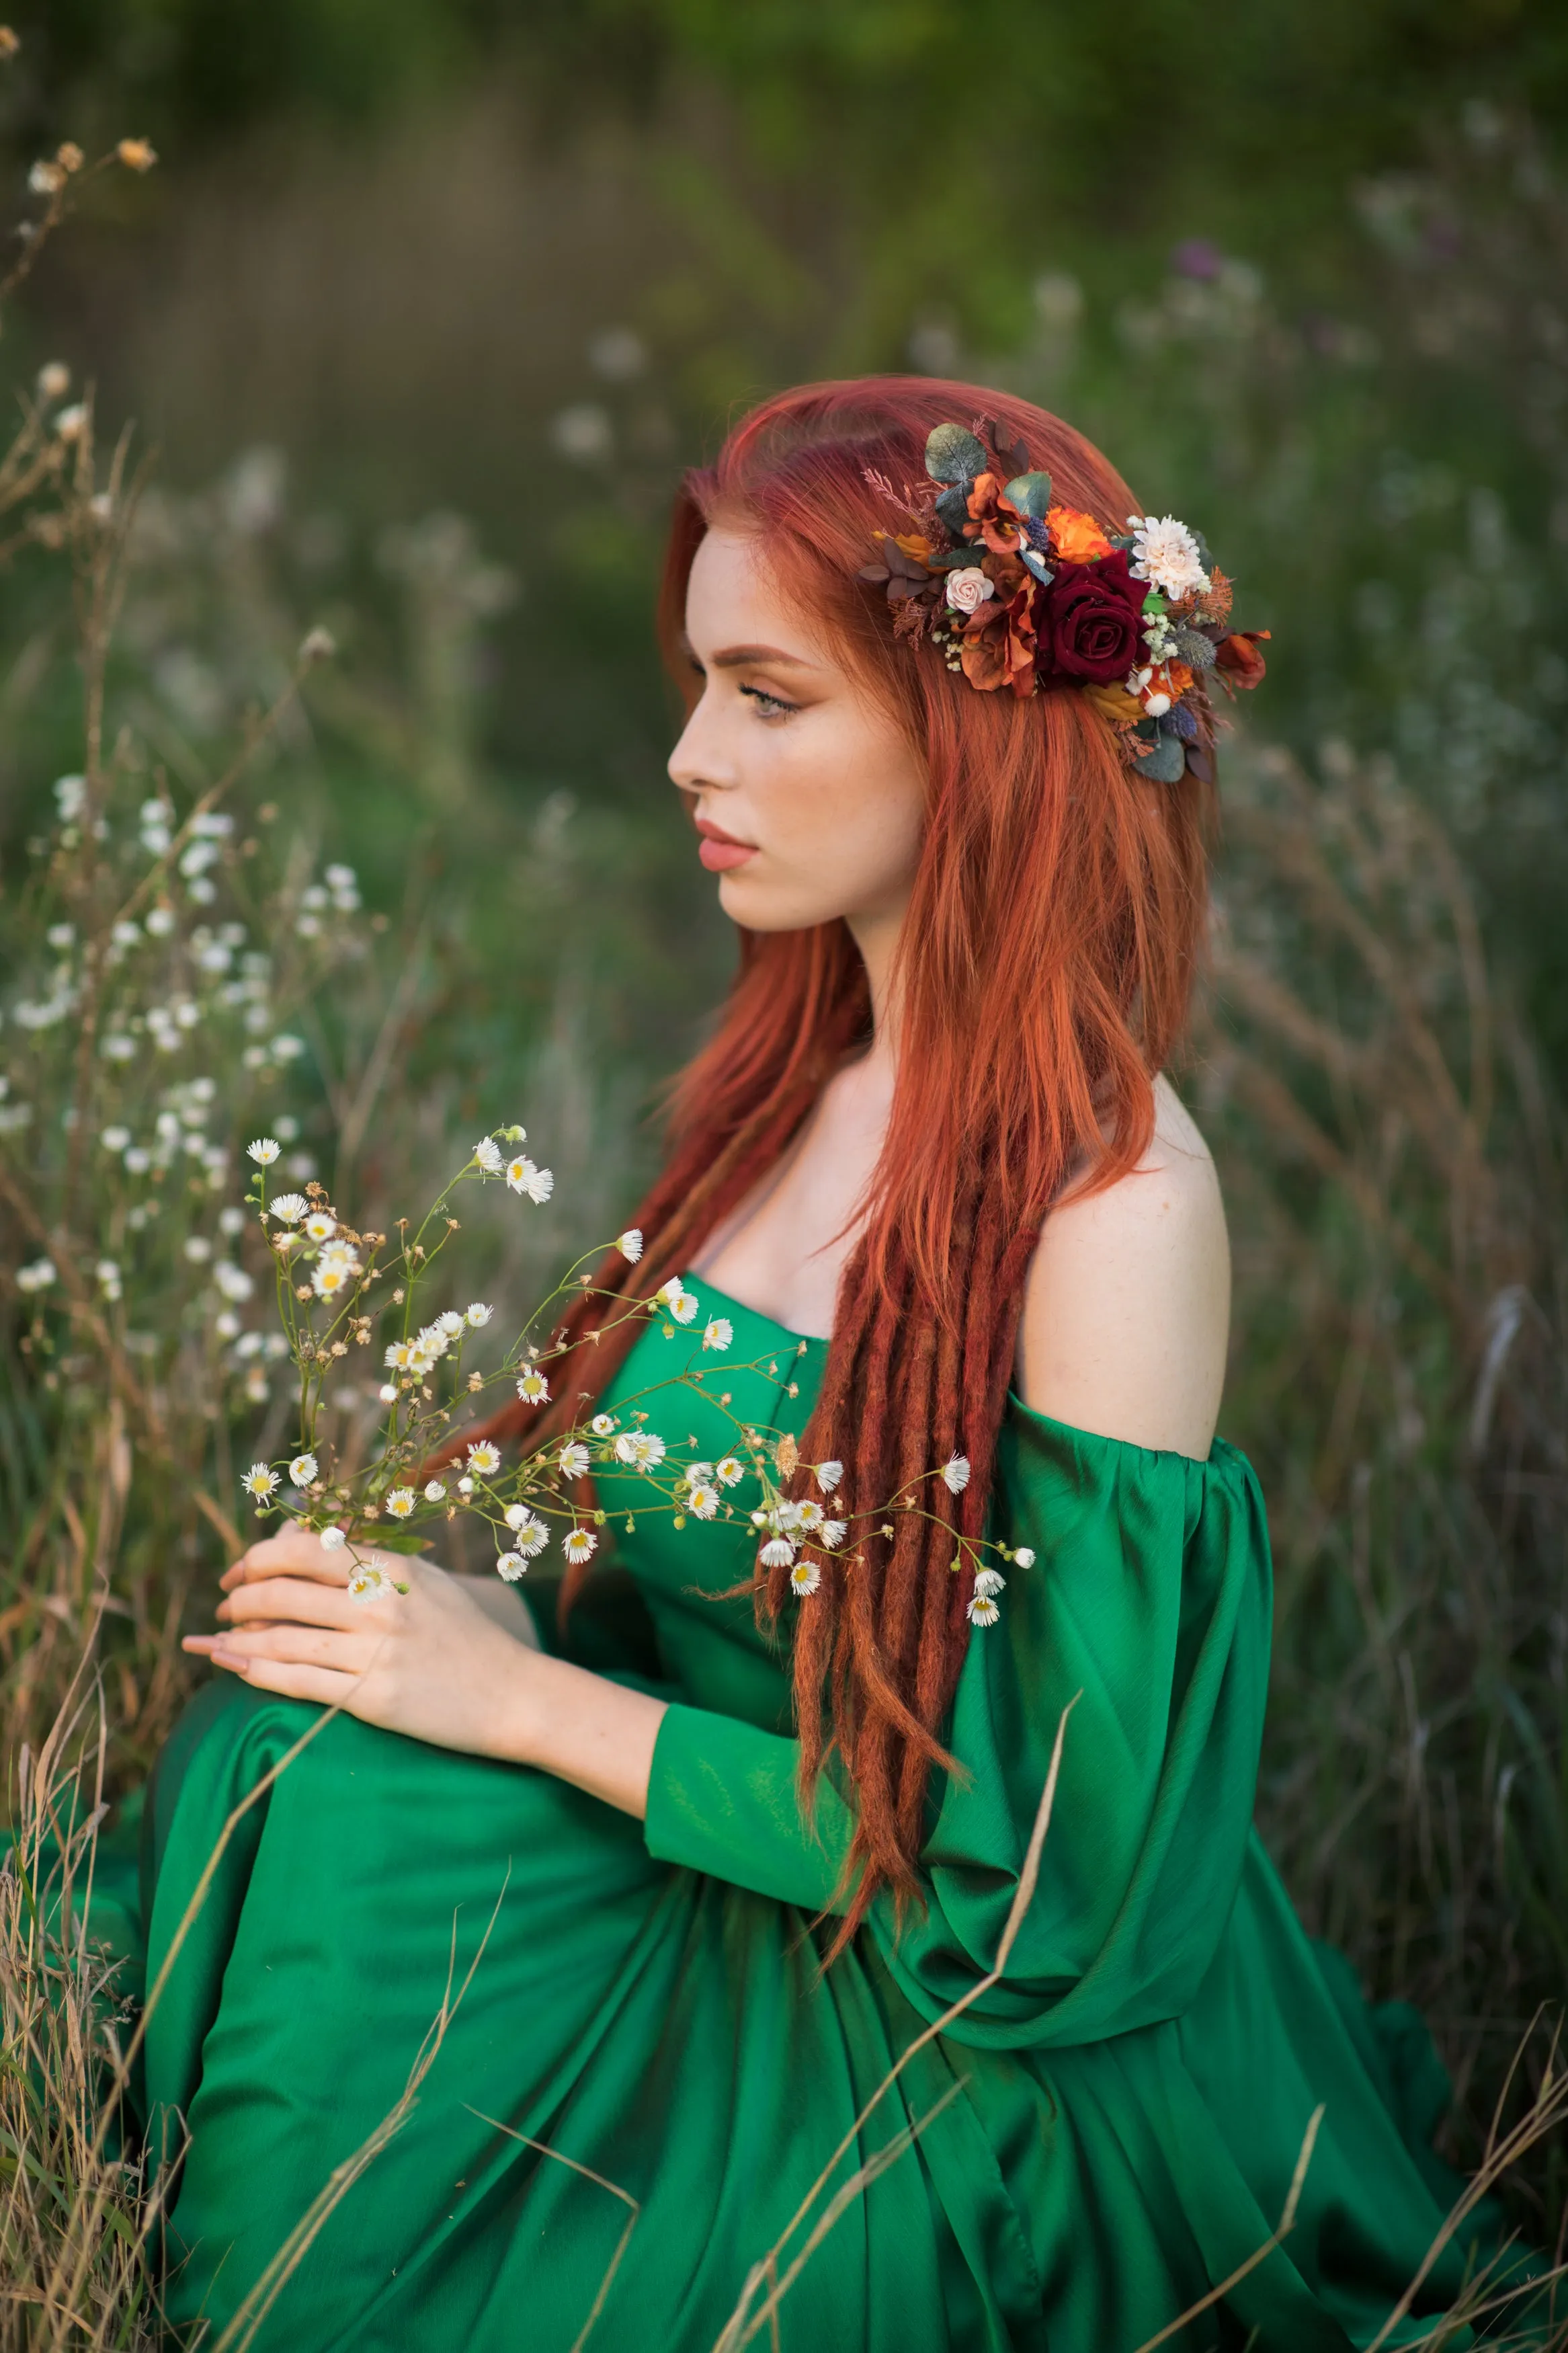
807, 797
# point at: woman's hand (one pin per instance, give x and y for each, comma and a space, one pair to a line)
430, 1663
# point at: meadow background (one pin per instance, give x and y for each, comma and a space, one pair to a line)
416, 320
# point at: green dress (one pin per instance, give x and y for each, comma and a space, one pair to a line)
1106, 2133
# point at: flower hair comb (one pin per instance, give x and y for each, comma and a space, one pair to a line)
1016, 591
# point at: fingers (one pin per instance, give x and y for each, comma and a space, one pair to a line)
298, 1646
291, 1681
299, 1599
296, 1550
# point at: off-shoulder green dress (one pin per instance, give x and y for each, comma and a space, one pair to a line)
1105, 2134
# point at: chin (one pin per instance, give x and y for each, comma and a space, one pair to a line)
751, 902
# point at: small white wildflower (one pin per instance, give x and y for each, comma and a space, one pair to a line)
701, 1501
579, 1545
718, 1334
138, 1160
828, 1475
232, 1280
160, 922
303, 1469
804, 1576
435, 1492
955, 1475
398, 1355
260, 1480
287, 1048
572, 1460
603, 1425
524, 1177
231, 1221
629, 1244
730, 1472
832, 1533
641, 1448
982, 1611
533, 1387
368, 1581
290, 1208
806, 1515
37, 1276
529, 1535
333, 1539
1024, 1557
115, 1139
319, 1227
332, 1277
400, 1501
264, 1150
487, 1155
777, 1553
988, 1583
681, 1303
197, 1249
387, 1393
511, 1565
465, 1487
477, 1314
484, 1459
53, 380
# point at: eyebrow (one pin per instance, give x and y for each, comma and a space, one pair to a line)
737, 657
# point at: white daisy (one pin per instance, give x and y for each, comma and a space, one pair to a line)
643, 1449
572, 1460
832, 1533
387, 1393
955, 1475
451, 1324
603, 1425
464, 1485
718, 1334
435, 1492
511, 1565
332, 1277
808, 1515
264, 1150
533, 1387
529, 1535
629, 1244
484, 1459
828, 1475
681, 1303
400, 1501
1165, 554
777, 1553
333, 1539
368, 1581
288, 1207
701, 1501
319, 1227
524, 1177
477, 1315
982, 1611
260, 1480
806, 1577
1024, 1557
988, 1583
730, 1472
399, 1356
579, 1545
487, 1155
303, 1469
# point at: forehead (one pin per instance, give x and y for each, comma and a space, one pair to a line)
732, 596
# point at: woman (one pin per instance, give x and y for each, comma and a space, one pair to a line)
686, 1883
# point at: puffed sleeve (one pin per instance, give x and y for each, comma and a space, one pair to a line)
1148, 1604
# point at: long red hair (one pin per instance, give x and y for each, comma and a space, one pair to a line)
1050, 948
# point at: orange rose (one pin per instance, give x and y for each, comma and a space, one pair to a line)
1078, 538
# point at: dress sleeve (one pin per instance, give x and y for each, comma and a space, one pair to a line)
1149, 1603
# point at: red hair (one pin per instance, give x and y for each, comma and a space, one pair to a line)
1048, 964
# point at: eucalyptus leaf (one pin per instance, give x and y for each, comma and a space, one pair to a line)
1164, 762
1037, 566
953, 454
953, 509
1030, 493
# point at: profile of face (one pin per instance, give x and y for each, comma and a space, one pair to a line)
808, 799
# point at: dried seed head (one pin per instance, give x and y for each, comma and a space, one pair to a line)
319, 646
136, 154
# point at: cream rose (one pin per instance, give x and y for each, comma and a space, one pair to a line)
969, 588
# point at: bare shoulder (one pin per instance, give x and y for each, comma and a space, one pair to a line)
1126, 1310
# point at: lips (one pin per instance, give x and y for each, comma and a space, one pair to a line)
720, 850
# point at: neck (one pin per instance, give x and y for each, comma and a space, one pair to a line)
876, 937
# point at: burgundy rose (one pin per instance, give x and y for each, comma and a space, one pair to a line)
1092, 625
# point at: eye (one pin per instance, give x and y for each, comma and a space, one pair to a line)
769, 706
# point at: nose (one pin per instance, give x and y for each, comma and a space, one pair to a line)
699, 764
